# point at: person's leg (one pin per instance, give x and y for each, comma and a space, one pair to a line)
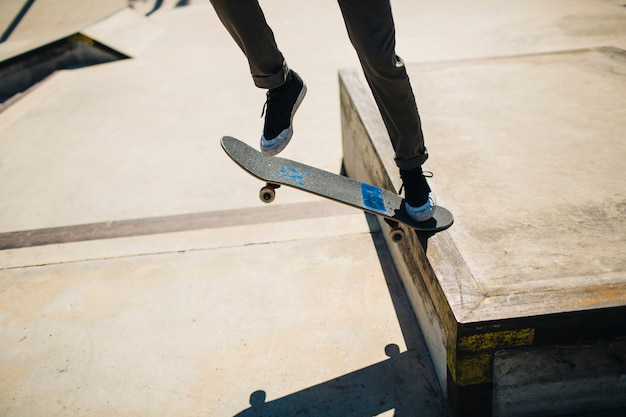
246, 23
371, 30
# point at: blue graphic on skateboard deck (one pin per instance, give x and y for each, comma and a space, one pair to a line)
373, 199
292, 174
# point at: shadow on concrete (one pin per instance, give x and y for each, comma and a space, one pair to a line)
423, 238
16, 20
159, 3
21, 72
404, 312
404, 383
391, 384
156, 7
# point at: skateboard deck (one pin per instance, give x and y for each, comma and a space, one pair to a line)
276, 171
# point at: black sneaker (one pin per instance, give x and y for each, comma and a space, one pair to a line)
280, 107
419, 201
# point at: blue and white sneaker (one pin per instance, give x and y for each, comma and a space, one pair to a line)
419, 200
280, 107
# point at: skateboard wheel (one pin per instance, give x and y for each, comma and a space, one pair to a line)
396, 234
267, 194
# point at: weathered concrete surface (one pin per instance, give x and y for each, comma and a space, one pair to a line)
528, 154
524, 383
536, 145
182, 324
138, 139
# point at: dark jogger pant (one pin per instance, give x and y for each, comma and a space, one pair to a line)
371, 30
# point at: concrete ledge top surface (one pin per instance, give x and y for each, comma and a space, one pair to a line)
528, 153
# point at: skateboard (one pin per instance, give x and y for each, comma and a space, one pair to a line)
276, 171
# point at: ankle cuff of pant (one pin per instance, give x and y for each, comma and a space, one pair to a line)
408, 164
272, 80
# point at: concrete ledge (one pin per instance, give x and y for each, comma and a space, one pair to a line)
528, 154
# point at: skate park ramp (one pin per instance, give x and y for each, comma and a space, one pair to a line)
40, 38
143, 276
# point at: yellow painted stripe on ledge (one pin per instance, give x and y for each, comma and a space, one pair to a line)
474, 369
497, 340
472, 363
79, 37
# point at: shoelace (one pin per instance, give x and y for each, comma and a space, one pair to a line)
273, 119
267, 98
427, 174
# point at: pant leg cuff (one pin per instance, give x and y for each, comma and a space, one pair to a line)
273, 80
412, 163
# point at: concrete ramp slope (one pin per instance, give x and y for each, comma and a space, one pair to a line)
28, 25
32, 56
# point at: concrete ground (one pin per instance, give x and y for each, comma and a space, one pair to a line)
293, 306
